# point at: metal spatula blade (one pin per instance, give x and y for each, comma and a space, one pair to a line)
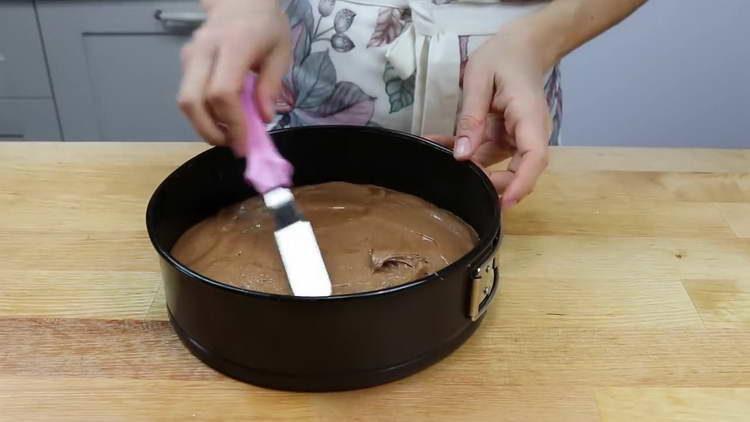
298, 246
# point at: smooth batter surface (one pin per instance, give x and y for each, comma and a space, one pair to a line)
371, 238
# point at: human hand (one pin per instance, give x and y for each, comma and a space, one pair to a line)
505, 113
238, 36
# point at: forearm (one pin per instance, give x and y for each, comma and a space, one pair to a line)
563, 25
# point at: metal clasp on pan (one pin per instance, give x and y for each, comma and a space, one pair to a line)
483, 287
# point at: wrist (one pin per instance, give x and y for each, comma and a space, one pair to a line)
561, 26
545, 35
551, 32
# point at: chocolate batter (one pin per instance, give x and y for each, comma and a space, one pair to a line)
370, 237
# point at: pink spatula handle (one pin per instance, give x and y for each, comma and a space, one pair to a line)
265, 168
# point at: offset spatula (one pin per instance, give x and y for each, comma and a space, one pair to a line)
271, 175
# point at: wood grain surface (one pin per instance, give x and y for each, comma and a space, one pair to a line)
626, 297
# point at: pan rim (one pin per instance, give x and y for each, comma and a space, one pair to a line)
486, 247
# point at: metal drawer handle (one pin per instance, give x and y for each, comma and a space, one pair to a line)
179, 18
11, 136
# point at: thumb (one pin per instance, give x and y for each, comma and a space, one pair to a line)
477, 98
271, 73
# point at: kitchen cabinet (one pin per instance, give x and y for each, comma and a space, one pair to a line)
27, 109
28, 119
115, 66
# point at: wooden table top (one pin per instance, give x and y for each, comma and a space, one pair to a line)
626, 296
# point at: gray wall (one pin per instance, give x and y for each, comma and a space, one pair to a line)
676, 73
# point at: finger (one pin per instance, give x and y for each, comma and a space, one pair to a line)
533, 113
271, 73
532, 158
494, 128
515, 162
484, 169
225, 88
480, 158
491, 153
477, 98
444, 140
197, 64
501, 179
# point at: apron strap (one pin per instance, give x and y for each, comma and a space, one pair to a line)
430, 47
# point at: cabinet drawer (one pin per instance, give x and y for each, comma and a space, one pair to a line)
115, 66
28, 119
23, 72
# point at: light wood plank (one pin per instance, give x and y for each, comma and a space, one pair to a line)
644, 187
157, 310
594, 303
738, 217
623, 258
709, 258
74, 212
500, 354
651, 159
80, 202
77, 250
97, 399
77, 294
624, 297
551, 257
674, 404
408, 401
103, 198
573, 303
610, 217
744, 183
564, 158
100, 348
684, 357
86, 154
721, 303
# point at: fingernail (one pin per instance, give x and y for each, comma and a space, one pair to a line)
462, 147
510, 203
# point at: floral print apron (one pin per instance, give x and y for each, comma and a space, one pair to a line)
390, 63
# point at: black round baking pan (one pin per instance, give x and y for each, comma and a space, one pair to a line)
336, 342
